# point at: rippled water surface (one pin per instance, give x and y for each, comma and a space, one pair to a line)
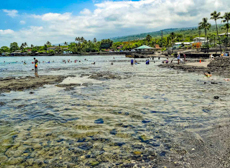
135, 119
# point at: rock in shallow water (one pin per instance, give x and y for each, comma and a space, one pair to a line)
216, 97
99, 121
2, 104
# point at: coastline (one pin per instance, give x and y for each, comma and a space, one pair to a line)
220, 67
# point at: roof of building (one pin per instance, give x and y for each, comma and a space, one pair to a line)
143, 47
223, 34
186, 43
200, 38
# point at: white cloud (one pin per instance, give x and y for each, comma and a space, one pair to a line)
85, 12
118, 18
22, 22
6, 32
11, 13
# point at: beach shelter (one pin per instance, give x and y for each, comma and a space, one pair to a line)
144, 48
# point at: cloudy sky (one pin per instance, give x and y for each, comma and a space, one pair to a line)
57, 21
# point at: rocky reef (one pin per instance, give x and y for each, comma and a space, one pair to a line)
22, 83
220, 66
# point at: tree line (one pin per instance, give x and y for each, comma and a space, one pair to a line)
81, 45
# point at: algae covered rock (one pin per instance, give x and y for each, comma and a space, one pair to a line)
94, 163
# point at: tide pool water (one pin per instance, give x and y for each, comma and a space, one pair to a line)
140, 118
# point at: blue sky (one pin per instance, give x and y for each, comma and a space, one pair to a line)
36, 22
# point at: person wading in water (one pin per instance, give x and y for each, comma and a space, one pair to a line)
36, 67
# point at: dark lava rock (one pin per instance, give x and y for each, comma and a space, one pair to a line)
113, 132
163, 153
214, 83
119, 143
85, 146
31, 92
99, 121
69, 88
2, 103
145, 121
87, 84
216, 97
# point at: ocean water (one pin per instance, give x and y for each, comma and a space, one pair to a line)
142, 116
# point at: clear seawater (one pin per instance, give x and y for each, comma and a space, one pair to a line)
113, 122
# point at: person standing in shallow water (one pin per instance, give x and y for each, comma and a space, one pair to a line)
178, 58
36, 67
131, 61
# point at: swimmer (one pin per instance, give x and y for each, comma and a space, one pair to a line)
93, 63
111, 63
227, 80
208, 74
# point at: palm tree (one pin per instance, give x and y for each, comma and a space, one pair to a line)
205, 25
148, 38
48, 43
226, 27
226, 19
22, 47
32, 46
215, 16
65, 43
94, 40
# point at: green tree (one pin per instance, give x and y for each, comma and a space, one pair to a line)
66, 43
216, 16
225, 27
48, 43
148, 38
205, 25
14, 46
226, 19
45, 47
22, 47
5, 49
94, 40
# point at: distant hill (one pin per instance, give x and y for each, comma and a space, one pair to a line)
189, 31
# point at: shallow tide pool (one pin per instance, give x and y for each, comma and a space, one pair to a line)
137, 119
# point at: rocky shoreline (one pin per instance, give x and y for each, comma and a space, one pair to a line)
29, 82
220, 66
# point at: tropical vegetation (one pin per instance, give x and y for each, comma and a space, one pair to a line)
161, 39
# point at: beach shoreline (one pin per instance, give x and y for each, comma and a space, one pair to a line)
220, 66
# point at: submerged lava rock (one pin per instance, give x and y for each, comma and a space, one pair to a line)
99, 121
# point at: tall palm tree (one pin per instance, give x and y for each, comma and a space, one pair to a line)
48, 43
205, 25
215, 16
32, 46
148, 38
65, 43
226, 19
